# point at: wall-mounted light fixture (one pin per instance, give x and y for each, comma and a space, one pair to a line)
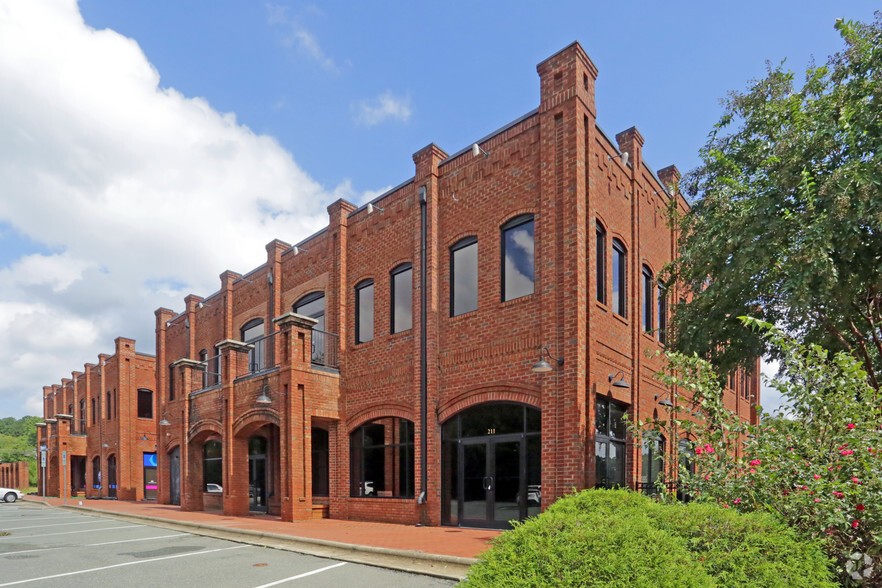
299, 250
269, 278
371, 208
264, 397
617, 381
202, 305
476, 150
164, 422
666, 402
542, 366
624, 155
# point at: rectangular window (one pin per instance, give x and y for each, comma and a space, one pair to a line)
171, 382
107, 408
648, 288
662, 315
145, 404
364, 311
517, 258
601, 264
402, 298
464, 276
619, 279
381, 459
609, 445
94, 412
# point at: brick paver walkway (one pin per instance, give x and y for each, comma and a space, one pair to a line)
438, 540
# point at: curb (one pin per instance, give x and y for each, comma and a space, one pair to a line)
416, 562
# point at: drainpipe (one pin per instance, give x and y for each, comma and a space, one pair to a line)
424, 444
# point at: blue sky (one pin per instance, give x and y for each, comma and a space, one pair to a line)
120, 122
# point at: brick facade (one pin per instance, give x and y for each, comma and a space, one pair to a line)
94, 438
271, 402
14, 475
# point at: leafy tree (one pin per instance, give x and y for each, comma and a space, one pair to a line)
787, 217
819, 469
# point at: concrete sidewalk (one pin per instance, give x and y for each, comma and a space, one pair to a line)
445, 552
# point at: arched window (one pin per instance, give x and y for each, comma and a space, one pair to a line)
464, 276
619, 278
648, 289
364, 311
601, 263
212, 466
96, 473
381, 459
401, 283
313, 306
253, 332
517, 257
662, 314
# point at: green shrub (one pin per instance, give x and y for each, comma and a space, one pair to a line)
621, 538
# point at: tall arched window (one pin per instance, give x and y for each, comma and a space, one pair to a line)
648, 288
401, 315
464, 276
517, 257
653, 461
96, 472
600, 277
313, 306
662, 314
364, 311
212, 466
619, 278
252, 332
610, 442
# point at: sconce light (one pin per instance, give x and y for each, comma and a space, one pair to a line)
187, 323
624, 155
269, 278
164, 422
264, 397
371, 208
202, 305
542, 366
476, 150
299, 250
618, 383
666, 402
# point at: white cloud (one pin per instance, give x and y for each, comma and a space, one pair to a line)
295, 36
141, 194
383, 107
770, 399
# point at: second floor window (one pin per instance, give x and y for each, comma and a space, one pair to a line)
648, 288
313, 306
108, 407
662, 314
252, 332
464, 276
171, 382
601, 264
402, 298
364, 311
517, 257
619, 278
145, 403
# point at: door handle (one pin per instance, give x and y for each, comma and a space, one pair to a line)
488, 482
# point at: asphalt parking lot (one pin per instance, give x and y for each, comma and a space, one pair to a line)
52, 547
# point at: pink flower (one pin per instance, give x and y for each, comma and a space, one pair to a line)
707, 477
737, 500
838, 494
725, 506
752, 471
855, 524
850, 426
816, 477
860, 507
847, 452
855, 480
843, 446
817, 500
698, 450
755, 462
708, 448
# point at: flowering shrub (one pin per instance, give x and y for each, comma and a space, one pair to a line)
818, 468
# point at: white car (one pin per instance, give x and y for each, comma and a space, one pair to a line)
10, 494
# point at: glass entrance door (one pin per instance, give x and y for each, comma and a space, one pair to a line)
257, 474
493, 482
174, 475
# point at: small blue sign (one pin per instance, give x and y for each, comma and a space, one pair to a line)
149, 460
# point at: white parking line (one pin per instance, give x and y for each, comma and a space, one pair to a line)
52, 525
128, 563
277, 582
69, 532
92, 544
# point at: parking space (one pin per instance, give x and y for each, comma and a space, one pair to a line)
50, 547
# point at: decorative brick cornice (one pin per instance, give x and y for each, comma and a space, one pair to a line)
292, 319
234, 345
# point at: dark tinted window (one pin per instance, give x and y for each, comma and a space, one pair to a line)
145, 404
381, 459
402, 298
601, 264
464, 276
619, 278
517, 257
648, 287
364, 311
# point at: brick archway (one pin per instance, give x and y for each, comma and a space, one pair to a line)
403, 411
502, 392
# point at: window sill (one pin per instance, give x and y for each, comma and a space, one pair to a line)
602, 306
620, 318
464, 316
516, 301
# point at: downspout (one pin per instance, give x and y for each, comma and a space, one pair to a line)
424, 444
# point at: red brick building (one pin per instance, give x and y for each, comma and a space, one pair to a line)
99, 429
14, 475
388, 367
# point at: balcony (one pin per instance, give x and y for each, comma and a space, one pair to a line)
324, 348
78, 426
